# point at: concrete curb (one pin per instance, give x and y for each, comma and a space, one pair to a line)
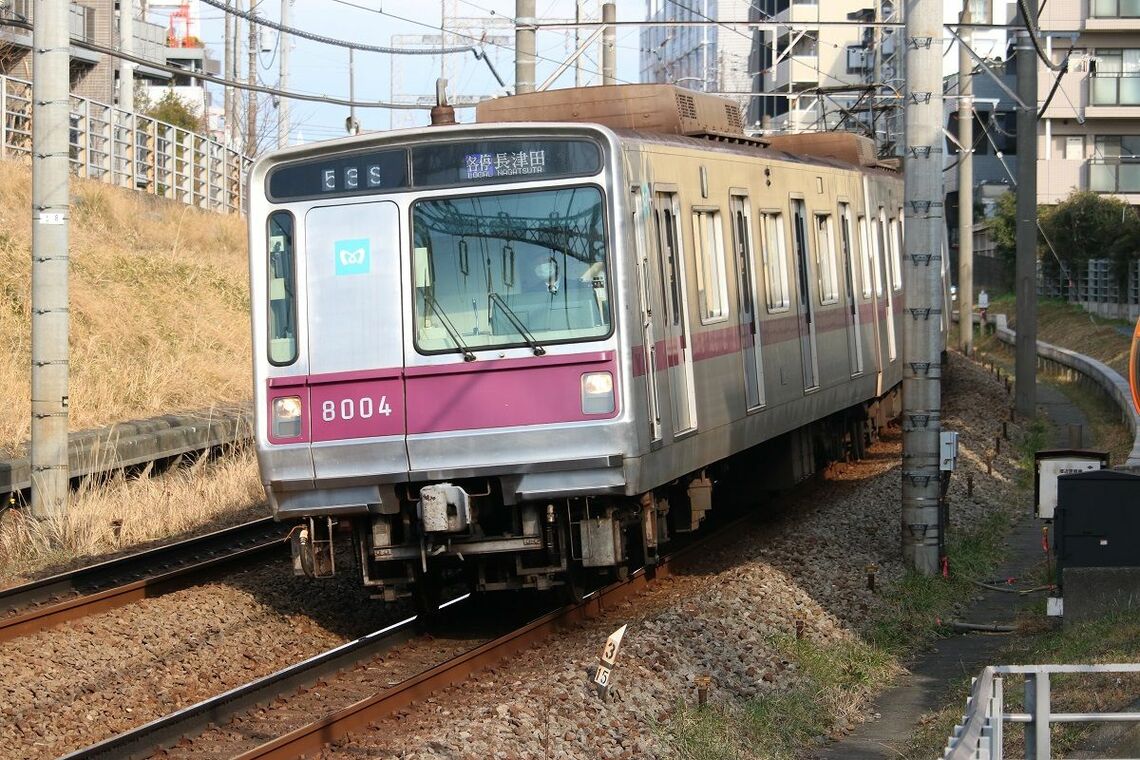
1106, 378
102, 451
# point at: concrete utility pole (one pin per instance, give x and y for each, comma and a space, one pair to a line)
228, 66
283, 55
609, 44
1025, 271
922, 280
127, 45
50, 318
524, 46
965, 188
251, 96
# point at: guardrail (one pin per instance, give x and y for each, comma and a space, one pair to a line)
95, 453
979, 735
1061, 360
130, 150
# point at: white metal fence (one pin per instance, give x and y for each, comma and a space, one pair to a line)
133, 151
979, 736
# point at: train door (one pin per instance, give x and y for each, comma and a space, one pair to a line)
750, 348
678, 350
355, 332
809, 359
854, 334
641, 212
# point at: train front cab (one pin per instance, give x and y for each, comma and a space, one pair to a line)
438, 366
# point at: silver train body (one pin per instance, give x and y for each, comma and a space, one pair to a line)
528, 351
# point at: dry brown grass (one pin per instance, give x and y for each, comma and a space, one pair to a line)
159, 306
190, 500
159, 323
1069, 326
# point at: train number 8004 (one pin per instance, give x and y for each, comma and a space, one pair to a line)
352, 409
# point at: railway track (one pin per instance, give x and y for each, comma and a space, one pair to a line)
69, 596
350, 686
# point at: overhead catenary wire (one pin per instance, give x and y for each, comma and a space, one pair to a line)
214, 79
255, 19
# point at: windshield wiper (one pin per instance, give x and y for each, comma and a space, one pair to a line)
439, 312
514, 318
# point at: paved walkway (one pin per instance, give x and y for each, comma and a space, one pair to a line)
925, 688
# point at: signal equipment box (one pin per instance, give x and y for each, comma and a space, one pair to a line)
1050, 464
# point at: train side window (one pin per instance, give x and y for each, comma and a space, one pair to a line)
775, 254
879, 244
896, 254
741, 235
282, 317
825, 259
708, 239
668, 228
868, 263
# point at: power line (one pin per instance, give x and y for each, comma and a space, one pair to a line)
214, 79
255, 19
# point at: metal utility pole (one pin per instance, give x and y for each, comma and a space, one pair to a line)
127, 45
251, 96
578, 42
228, 66
351, 125
1025, 271
965, 189
609, 44
524, 46
283, 77
922, 280
50, 318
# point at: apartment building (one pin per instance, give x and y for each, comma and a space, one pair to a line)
1089, 136
96, 75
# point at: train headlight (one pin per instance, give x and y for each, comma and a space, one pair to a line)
287, 417
597, 393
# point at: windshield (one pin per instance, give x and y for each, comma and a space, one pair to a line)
525, 268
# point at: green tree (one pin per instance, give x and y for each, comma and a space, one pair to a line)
1086, 226
1004, 231
173, 110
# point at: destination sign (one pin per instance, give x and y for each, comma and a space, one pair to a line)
487, 161
341, 175
449, 164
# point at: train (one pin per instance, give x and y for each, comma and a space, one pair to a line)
527, 352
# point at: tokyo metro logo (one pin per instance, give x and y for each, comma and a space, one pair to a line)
352, 256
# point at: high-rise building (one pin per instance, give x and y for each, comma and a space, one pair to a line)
697, 45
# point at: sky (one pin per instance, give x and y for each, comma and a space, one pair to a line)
321, 69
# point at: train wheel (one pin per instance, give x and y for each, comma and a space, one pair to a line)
573, 588
427, 594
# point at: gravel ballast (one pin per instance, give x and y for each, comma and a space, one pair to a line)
729, 616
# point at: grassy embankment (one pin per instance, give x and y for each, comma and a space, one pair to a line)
159, 323
781, 726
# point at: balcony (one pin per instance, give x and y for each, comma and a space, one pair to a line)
800, 71
799, 11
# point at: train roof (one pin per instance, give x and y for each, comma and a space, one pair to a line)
663, 113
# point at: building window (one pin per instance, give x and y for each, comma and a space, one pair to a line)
1115, 8
1115, 77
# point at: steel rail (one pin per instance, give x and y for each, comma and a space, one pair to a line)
166, 731
312, 738
102, 587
